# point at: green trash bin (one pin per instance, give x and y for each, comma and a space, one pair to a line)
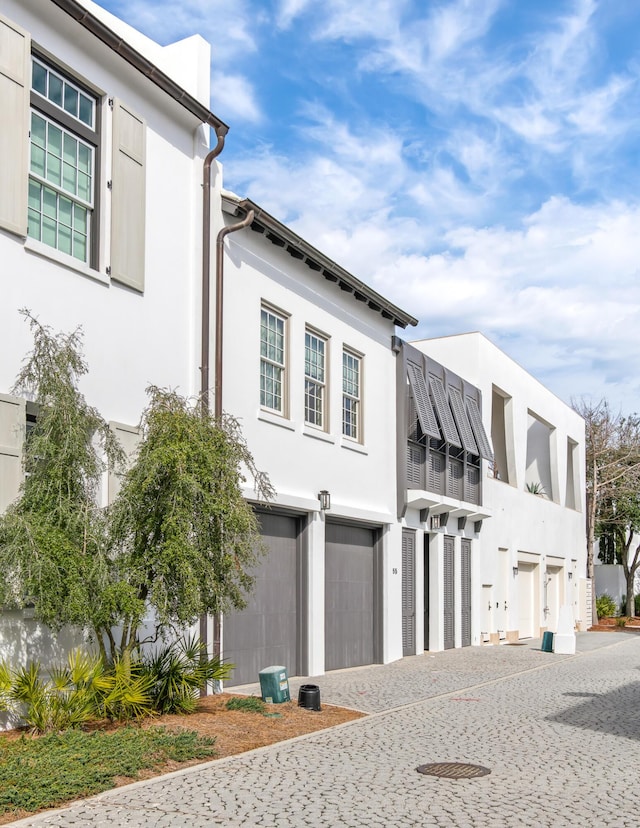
274, 685
547, 642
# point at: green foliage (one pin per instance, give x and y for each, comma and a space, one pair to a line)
536, 489
248, 704
636, 604
42, 773
182, 531
621, 622
180, 538
178, 671
605, 606
52, 539
75, 693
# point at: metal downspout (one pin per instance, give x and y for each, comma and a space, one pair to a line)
206, 314
217, 404
246, 221
206, 326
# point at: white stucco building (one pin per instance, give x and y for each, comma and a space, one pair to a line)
532, 555
102, 140
312, 379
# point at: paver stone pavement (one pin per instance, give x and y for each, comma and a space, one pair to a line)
558, 733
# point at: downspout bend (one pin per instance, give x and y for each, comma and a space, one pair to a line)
206, 265
232, 228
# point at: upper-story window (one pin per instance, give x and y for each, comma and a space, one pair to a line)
273, 352
315, 389
351, 395
62, 164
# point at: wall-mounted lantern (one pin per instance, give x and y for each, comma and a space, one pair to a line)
515, 571
325, 500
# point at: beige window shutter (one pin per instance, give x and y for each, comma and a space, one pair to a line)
15, 49
129, 439
128, 197
12, 432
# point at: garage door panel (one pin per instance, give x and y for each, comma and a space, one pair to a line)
266, 631
349, 596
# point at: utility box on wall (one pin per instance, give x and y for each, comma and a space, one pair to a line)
274, 685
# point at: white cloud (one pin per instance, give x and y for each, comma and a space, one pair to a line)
232, 97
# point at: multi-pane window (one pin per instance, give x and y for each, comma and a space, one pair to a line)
63, 142
315, 348
272, 360
351, 395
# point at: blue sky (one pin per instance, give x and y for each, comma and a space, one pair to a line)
476, 161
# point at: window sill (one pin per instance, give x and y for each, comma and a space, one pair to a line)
351, 446
46, 252
317, 434
277, 420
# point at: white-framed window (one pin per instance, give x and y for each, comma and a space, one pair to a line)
352, 395
315, 379
63, 144
273, 355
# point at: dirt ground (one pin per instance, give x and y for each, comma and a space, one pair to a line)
235, 731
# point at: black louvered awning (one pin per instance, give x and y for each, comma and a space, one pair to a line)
462, 421
484, 446
424, 408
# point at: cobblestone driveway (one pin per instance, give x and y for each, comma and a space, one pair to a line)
559, 733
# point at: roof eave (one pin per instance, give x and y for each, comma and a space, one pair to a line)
315, 260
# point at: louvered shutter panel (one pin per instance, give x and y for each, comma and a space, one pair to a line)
15, 49
436, 467
484, 446
454, 479
415, 466
445, 416
448, 594
423, 403
472, 494
128, 198
12, 431
408, 593
465, 592
462, 421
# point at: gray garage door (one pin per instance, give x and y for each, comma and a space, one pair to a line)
349, 596
266, 632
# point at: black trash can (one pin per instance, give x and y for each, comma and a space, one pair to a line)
309, 696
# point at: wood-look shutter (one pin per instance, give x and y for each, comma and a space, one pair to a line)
15, 49
12, 430
475, 418
448, 596
447, 423
462, 421
129, 438
423, 403
128, 197
415, 466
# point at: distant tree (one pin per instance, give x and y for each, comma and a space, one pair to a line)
621, 517
612, 470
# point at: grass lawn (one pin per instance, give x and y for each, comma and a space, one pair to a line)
47, 771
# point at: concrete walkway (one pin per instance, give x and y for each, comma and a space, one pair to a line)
558, 733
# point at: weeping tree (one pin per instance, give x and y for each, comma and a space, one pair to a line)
53, 538
179, 540
183, 535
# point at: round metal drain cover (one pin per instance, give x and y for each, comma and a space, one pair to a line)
453, 770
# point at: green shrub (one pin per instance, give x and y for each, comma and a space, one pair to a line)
179, 671
605, 606
248, 704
